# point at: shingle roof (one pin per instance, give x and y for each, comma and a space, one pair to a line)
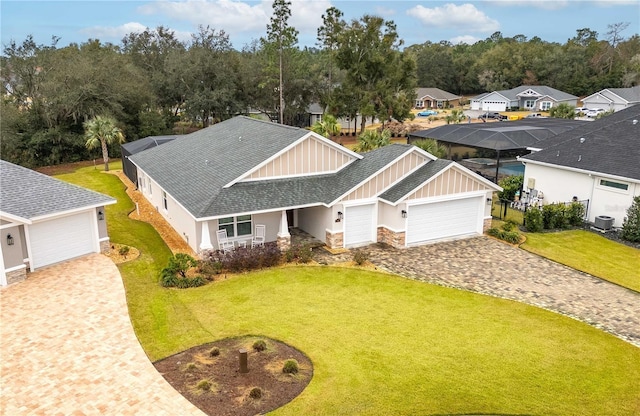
512, 94
631, 95
436, 93
611, 146
145, 143
414, 180
29, 194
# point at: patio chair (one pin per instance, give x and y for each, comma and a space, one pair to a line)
223, 241
259, 236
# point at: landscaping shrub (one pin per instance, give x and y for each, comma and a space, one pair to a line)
299, 253
290, 367
553, 216
509, 225
175, 274
124, 250
255, 393
243, 259
533, 220
259, 345
511, 237
214, 352
510, 185
190, 366
631, 223
204, 385
575, 214
360, 257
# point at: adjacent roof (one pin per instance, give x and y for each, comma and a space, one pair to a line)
512, 94
630, 95
508, 135
435, 93
609, 145
28, 194
146, 143
414, 180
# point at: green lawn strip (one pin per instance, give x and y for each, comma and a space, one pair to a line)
590, 253
381, 344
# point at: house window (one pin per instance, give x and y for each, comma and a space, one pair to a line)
419, 103
545, 105
612, 184
529, 103
164, 200
150, 190
236, 226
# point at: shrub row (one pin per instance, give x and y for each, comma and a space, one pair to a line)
554, 216
175, 274
505, 233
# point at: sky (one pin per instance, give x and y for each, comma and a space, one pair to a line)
244, 21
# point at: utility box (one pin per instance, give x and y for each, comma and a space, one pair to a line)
604, 222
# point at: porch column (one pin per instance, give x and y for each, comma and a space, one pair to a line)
205, 240
284, 238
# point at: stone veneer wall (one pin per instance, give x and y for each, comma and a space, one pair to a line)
284, 243
105, 246
391, 238
486, 224
16, 276
334, 240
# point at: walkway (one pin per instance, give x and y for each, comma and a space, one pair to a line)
68, 347
488, 266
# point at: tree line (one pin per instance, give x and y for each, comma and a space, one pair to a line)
153, 84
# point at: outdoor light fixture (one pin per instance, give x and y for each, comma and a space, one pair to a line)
100, 215
10, 240
489, 201
340, 215
404, 213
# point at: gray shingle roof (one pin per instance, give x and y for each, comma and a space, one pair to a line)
195, 168
631, 95
540, 89
136, 146
29, 194
436, 93
611, 146
414, 180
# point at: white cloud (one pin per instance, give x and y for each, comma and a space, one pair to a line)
306, 16
452, 16
538, 4
468, 39
113, 32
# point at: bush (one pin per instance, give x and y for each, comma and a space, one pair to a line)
509, 225
243, 259
175, 274
510, 185
204, 385
124, 250
300, 253
631, 223
575, 214
190, 366
290, 367
511, 237
533, 220
360, 257
214, 352
553, 216
255, 393
259, 345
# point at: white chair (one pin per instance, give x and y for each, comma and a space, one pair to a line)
223, 241
259, 236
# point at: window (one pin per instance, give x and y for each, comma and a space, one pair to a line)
529, 103
545, 105
150, 190
164, 200
236, 226
612, 184
419, 103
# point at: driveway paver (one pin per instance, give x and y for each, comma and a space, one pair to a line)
488, 266
68, 347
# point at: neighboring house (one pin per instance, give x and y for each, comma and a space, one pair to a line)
599, 162
347, 124
243, 172
539, 98
137, 146
435, 98
44, 221
615, 99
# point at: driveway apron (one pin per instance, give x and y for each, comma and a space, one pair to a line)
488, 266
68, 347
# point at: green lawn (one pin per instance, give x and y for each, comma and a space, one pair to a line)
382, 344
590, 253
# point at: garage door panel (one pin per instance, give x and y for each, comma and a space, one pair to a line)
359, 226
446, 219
61, 239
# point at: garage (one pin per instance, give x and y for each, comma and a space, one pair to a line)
62, 238
359, 226
494, 105
444, 219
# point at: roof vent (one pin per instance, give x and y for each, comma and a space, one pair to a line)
579, 158
558, 154
635, 122
582, 139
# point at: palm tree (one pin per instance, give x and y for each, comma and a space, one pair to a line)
373, 139
102, 131
432, 146
455, 117
327, 127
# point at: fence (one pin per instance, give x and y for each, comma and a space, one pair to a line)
514, 210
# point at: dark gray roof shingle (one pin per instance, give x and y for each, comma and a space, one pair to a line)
29, 194
611, 146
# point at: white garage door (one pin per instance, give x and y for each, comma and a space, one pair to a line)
359, 228
494, 106
441, 220
61, 239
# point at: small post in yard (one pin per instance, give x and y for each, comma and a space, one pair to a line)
244, 367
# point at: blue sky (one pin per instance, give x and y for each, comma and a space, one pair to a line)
417, 21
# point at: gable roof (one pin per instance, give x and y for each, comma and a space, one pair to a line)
137, 146
28, 195
629, 95
436, 93
609, 145
415, 179
543, 90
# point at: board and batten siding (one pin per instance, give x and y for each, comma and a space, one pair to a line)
387, 177
453, 181
310, 156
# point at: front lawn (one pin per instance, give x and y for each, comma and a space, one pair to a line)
590, 253
382, 344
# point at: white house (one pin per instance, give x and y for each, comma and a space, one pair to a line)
615, 99
537, 97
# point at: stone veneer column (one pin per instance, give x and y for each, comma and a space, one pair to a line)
105, 246
486, 224
386, 236
16, 276
283, 243
334, 240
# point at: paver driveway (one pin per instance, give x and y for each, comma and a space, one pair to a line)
68, 347
485, 265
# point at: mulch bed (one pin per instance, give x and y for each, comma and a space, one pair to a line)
229, 393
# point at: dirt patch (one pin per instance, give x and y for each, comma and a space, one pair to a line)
215, 385
120, 253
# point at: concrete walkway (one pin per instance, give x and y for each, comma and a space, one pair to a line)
68, 347
488, 266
